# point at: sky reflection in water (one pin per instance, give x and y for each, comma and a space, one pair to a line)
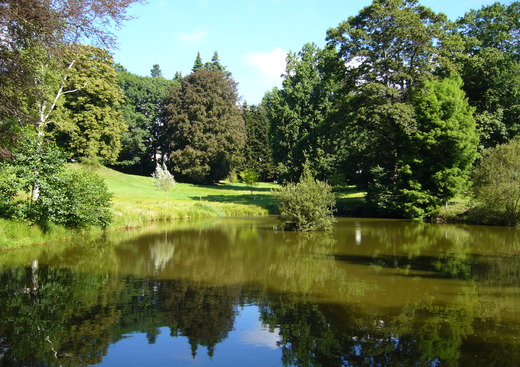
234, 292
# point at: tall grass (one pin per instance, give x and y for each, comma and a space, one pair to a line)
15, 234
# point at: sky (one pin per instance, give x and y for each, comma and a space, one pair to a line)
252, 37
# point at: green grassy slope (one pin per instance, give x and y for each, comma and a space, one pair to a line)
137, 202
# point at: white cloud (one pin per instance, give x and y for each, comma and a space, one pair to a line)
262, 338
270, 65
193, 37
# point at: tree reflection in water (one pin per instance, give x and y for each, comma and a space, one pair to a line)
371, 293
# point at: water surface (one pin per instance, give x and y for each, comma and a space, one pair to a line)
237, 292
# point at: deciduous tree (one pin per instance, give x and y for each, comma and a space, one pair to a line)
29, 25
250, 177
393, 51
490, 68
89, 124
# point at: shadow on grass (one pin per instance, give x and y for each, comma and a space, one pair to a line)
227, 186
263, 201
351, 207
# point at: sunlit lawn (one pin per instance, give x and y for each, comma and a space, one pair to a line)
137, 202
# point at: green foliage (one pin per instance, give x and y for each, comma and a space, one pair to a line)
156, 72
9, 188
36, 162
257, 151
409, 138
391, 45
90, 123
446, 139
52, 193
490, 68
436, 156
144, 113
197, 65
30, 27
250, 177
307, 205
75, 199
497, 185
299, 112
206, 127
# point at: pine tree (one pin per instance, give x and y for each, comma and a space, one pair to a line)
155, 71
197, 65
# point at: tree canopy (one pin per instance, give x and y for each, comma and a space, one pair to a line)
490, 69
299, 113
395, 54
144, 113
206, 127
89, 123
28, 26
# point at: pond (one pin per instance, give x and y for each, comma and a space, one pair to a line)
238, 292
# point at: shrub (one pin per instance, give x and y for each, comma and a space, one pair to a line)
308, 205
250, 177
497, 185
75, 199
163, 179
37, 186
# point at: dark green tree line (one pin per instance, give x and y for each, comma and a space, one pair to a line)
299, 114
144, 113
381, 105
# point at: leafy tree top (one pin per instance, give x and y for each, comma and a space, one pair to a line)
496, 26
391, 43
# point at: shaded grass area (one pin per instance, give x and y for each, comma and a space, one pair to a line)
350, 202
136, 202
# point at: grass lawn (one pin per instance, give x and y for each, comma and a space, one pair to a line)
137, 202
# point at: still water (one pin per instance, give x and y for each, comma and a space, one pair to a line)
236, 292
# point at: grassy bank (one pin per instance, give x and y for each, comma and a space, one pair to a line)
137, 202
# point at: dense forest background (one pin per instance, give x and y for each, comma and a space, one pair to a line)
401, 102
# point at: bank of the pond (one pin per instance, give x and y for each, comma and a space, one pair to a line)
137, 202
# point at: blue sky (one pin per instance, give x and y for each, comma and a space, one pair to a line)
251, 37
